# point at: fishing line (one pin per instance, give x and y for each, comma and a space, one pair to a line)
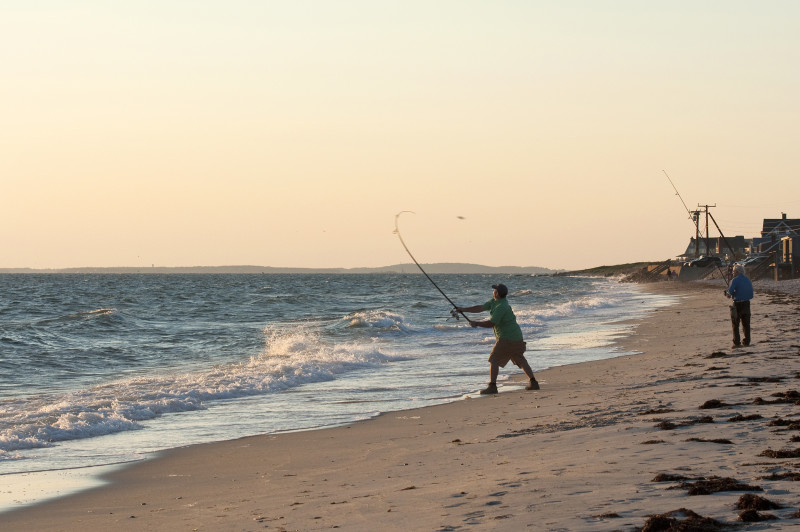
397, 232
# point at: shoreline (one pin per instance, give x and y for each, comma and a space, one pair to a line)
568, 456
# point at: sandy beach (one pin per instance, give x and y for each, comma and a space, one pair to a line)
688, 423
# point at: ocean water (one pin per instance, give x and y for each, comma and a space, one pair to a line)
102, 369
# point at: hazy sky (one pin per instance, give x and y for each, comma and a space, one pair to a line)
290, 133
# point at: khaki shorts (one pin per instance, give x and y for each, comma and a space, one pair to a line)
505, 350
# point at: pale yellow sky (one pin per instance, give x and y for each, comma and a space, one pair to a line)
186, 133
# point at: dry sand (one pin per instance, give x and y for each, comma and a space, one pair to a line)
583, 453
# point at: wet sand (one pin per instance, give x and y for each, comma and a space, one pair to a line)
602, 446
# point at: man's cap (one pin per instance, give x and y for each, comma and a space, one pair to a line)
501, 289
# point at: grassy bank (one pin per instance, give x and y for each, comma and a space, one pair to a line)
610, 271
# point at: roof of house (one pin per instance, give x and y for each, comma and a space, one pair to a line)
736, 242
781, 226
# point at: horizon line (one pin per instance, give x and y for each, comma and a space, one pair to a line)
246, 268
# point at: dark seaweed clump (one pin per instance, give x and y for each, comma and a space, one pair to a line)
682, 520
655, 411
609, 515
789, 475
753, 516
790, 397
716, 440
790, 424
740, 417
714, 485
669, 425
787, 453
669, 477
748, 501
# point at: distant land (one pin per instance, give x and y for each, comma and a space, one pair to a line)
609, 271
437, 268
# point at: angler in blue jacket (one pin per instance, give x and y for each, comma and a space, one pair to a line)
741, 290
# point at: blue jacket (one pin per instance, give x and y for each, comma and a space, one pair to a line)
741, 288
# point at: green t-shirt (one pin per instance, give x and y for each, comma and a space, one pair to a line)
505, 323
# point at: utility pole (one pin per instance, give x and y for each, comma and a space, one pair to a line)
706, 207
696, 220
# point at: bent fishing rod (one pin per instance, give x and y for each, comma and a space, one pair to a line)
397, 232
697, 225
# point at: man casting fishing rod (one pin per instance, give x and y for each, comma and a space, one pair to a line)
509, 344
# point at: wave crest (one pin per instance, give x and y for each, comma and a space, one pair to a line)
379, 319
289, 359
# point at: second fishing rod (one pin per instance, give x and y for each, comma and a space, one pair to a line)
693, 216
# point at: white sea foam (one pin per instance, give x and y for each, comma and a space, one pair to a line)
101, 312
377, 319
519, 293
289, 359
449, 326
537, 315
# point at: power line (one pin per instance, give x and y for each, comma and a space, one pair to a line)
764, 206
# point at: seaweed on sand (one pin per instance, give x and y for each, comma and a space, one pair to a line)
669, 477
713, 403
682, 520
710, 485
723, 441
753, 516
790, 397
740, 417
787, 475
785, 453
748, 501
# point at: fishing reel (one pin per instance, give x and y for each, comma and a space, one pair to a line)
454, 314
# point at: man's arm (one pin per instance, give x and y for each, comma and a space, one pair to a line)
476, 308
731, 291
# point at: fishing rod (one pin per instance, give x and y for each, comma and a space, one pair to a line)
697, 225
681, 198
397, 232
